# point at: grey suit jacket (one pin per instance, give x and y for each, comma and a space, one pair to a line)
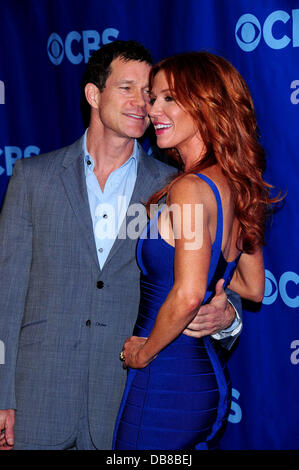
63, 320
49, 290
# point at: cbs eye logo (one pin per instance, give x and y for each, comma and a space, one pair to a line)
78, 46
287, 287
55, 49
248, 31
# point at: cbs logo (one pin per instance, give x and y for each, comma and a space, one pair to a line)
77, 46
248, 31
12, 153
236, 412
286, 287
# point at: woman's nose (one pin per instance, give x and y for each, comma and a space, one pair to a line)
154, 109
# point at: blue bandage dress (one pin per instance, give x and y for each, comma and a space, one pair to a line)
182, 398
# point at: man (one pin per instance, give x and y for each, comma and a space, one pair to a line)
69, 294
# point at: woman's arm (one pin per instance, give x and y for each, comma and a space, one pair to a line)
191, 265
249, 277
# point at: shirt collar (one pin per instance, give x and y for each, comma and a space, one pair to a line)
90, 166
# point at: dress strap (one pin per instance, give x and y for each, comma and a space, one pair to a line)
219, 231
216, 247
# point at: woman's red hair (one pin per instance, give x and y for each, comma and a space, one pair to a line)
216, 96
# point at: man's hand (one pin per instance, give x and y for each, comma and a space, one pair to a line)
213, 317
7, 421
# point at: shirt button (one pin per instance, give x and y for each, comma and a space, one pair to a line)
101, 250
100, 284
88, 323
105, 216
88, 162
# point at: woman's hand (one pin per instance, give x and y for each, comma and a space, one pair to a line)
132, 352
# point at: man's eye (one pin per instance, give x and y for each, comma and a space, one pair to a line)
125, 87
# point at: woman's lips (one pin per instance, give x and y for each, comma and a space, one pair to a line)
161, 127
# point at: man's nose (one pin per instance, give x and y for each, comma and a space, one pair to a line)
139, 99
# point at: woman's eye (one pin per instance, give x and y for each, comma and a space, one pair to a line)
168, 98
152, 100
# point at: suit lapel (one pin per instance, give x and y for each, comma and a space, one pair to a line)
73, 178
74, 182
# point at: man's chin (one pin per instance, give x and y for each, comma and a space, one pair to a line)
136, 134
137, 131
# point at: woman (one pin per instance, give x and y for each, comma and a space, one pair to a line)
177, 394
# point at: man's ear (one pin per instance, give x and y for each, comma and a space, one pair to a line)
92, 94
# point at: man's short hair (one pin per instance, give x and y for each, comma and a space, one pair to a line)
98, 67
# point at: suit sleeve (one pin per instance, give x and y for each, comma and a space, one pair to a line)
15, 262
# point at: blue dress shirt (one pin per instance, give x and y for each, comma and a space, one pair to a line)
108, 207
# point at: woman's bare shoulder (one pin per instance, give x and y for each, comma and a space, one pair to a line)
191, 189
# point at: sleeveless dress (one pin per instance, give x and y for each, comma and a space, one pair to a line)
181, 399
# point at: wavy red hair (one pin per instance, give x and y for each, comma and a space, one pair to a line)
217, 97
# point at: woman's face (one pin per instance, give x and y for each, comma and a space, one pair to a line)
174, 127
